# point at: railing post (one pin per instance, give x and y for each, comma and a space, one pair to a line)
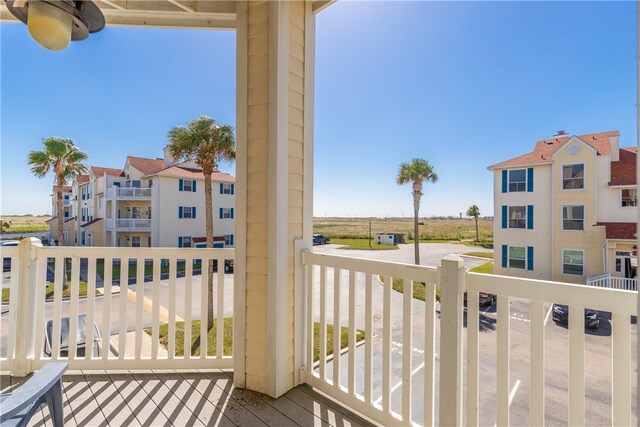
452, 289
300, 338
25, 306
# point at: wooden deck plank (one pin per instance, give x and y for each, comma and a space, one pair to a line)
170, 405
82, 404
323, 407
145, 410
114, 408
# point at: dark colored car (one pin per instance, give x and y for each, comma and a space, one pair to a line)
319, 239
228, 265
561, 315
483, 298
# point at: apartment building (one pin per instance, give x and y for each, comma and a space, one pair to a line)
149, 203
567, 210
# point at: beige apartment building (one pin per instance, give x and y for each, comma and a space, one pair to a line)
147, 203
567, 210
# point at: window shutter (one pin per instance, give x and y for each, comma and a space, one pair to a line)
180, 185
180, 212
180, 240
221, 188
193, 212
233, 189
504, 256
231, 240
530, 217
530, 258
221, 213
529, 180
193, 186
232, 213
504, 181
505, 216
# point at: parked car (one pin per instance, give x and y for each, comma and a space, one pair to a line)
484, 298
320, 239
561, 315
6, 262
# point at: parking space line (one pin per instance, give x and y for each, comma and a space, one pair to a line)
548, 314
397, 386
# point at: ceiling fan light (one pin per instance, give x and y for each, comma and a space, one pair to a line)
49, 26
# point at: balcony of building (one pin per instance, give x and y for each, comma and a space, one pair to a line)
128, 193
128, 224
402, 360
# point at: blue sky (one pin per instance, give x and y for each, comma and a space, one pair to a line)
463, 85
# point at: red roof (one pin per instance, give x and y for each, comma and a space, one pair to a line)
100, 171
183, 172
82, 179
146, 166
620, 230
545, 148
623, 172
204, 239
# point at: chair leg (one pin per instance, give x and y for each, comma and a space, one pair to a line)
53, 398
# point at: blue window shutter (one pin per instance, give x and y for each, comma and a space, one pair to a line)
530, 217
530, 258
180, 184
233, 189
232, 213
180, 242
529, 180
221, 214
231, 240
193, 186
221, 188
504, 181
504, 256
193, 212
505, 215
180, 212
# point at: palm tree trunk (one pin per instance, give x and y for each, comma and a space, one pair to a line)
208, 198
477, 237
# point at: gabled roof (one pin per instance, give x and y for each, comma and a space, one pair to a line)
545, 148
146, 166
190, 173
620, 230
623, 172
204, 239
82, 179
100, 171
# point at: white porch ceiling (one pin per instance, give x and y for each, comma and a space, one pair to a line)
218, 14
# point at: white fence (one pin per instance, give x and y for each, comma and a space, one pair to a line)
389, 321
608, 281
166, 294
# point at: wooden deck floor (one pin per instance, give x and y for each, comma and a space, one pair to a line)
172, 398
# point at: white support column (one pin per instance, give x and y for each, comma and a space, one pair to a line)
25, 307
452, 289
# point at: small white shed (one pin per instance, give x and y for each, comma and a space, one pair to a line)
390, 238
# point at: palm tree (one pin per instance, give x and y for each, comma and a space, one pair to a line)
416, 172
65, 160
205, 143
474, 211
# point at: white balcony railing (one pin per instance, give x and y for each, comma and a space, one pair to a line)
128, 193
129, 224
609, 281
128, 306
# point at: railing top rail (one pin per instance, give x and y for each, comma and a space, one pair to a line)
122, 252
605, 299
392, 269
602, 276
9, 251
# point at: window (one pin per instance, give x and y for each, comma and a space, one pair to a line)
228, 239
572, 177
226, 213
135, 183
187, 185
135, 212
517, 257
148, 241
573, 217
629, 198
184, 242
187, 212
621, 257
517, 216
226, 188
150, 183
517, 180
135, 241
573, 262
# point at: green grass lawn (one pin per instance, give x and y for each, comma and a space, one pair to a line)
486, 268
28, 228
418, 288
362, 244
480, 254
49, 290
344, 339
227, 345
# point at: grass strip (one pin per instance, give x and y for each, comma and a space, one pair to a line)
486, 268
362, 244
480, 254
418, 288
